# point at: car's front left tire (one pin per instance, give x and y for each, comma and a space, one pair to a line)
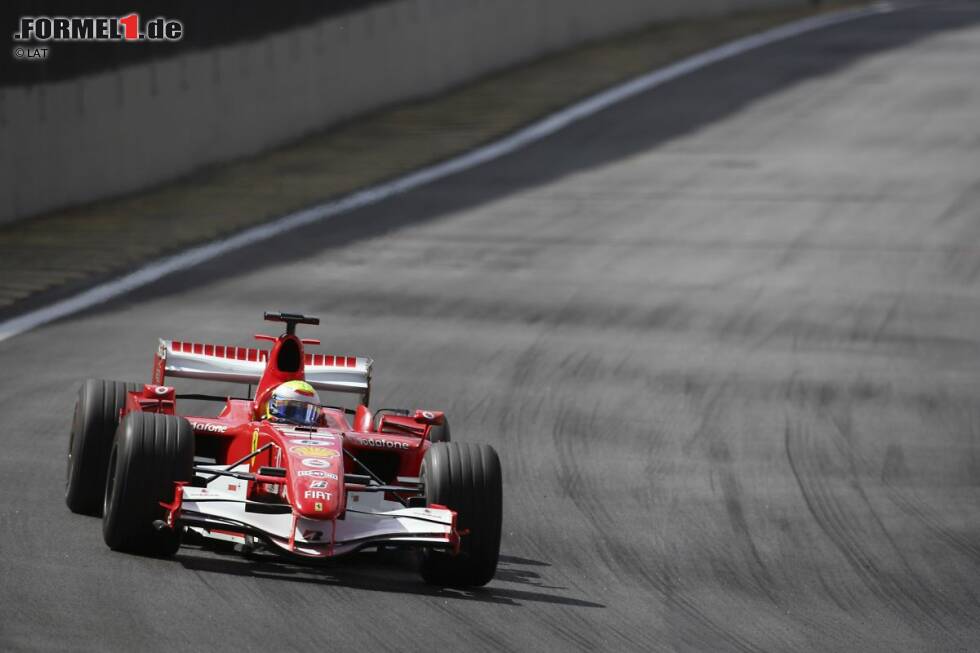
466, 478
440, 432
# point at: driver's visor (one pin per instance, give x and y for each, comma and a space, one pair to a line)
297, 412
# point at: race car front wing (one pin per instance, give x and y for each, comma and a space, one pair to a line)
221, 511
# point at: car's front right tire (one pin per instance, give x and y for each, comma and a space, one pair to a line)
150, 453
93, 427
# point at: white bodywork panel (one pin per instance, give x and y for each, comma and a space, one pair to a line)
369, 519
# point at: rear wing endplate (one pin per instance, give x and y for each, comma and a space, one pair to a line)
195, 360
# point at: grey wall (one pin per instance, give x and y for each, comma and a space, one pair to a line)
79, 140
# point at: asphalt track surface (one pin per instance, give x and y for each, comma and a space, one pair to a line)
724, 336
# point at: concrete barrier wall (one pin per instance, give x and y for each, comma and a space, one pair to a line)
110, 133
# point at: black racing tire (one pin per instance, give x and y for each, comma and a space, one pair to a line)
92, 430
466, 478
150, 453
440, 432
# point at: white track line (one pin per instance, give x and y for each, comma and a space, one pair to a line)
530, 134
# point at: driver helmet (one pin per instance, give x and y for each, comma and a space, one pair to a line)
296, 402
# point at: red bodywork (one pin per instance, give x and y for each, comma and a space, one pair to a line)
310, 462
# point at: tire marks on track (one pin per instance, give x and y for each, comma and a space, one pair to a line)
578, 435
827, 474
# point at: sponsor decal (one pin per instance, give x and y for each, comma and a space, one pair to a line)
318, 484
317, 473
428, 414
315, 452
161, 390
380, 444
318, 506
315, 443
215, 428
316, 462
316, 494
253, 463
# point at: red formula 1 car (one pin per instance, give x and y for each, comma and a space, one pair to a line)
350, 479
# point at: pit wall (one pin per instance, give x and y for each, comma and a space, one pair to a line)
115, 132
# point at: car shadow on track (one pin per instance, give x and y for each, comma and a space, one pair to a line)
391, 572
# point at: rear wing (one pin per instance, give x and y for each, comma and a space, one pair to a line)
195, 360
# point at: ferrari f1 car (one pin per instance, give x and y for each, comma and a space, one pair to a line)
352, 478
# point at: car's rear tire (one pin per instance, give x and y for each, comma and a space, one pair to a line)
400, 412
440, 432
150, 453
92, 429
437, 432
466, 478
